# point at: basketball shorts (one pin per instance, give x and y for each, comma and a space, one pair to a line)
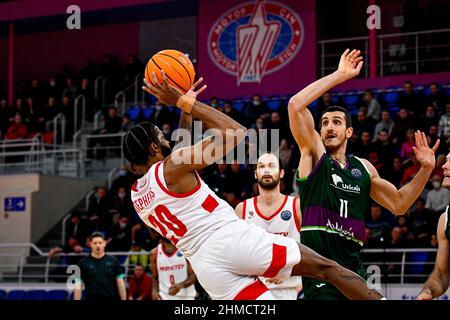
229, 262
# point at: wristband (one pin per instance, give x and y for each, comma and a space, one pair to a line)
186, 103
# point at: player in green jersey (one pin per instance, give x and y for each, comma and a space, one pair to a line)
439, 279
335, 188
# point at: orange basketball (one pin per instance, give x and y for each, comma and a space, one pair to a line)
178, 68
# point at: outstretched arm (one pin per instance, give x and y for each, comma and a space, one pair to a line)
318, 267
300, 118
439, 279
399, 201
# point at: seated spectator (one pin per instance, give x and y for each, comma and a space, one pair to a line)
126, 179
324, 102
132, 69
126, 122
378, 224
119, 236
285, 153
403, 123
385, 149
439, 197
396, 173
71, 91
98, 209
72, 248
48, 113
87, 91
214, 102
421, 224
363, 146
138, 259
436, 98
430, 118
362, 123
17, 130
373, 106
113, 124
409, 100
411, 171
162, 115
440, 161
397, 241
386, 124
229, 110
121, 204
444, 125
167, 131
407, 147
256, 108
139, 285
235, 179
144, 237
77, 228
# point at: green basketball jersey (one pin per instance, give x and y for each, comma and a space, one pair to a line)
334, 201
447, 223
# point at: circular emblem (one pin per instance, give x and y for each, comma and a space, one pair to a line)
179, 254
286, 215
356, 173
254, 39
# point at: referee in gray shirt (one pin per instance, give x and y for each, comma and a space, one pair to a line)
101, 274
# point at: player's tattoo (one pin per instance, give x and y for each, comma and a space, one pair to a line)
186, 125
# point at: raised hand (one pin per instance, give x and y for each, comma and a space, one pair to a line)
350, 64
425, 154
166, 93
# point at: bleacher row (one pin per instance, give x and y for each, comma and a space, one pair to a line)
351, 99
57, 294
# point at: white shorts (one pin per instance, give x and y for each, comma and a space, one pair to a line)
228, 263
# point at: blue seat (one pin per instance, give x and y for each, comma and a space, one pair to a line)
35, 295
350, 100
16, 295
314, 104
447, 91
273, 104
147, 113
418, 257
134, 113
238, 105
2, 294
390, 98
56, 295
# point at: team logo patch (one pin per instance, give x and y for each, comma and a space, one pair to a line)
356, 173
179, 254
250, 214
254, 39
286, 215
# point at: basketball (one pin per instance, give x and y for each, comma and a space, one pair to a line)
178, 68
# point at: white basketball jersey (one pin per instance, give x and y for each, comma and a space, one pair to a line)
172, 268
185, 219
283, 222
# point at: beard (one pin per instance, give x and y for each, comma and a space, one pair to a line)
269, 185
166, 151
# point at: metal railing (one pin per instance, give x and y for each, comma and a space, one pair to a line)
138, 90
76, 121
97, 116
59, 126
111, 176
107, 137
121, 106
21, 256
100, 84
398, 53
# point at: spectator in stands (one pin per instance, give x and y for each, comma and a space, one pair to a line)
440, 161
285, 153
324, 102
161, 115
21, 109
397, 241
140, 285
373, 106
141, 257
259, 124
17, 130
132, 69
125, 179
363, 146
409, 100
6, 114
428, 119
48, 113
73, 248
407, 147
229, 110
235, 179
214, 102
167, 131
122, 204
411, 171
126, 122
256, 108
77, 228
54, 89
402, 224
36, 96
89, 70
385, 149
386, 124
144, 237
421, 224
70, 90
397, 171
444, 126
438, 198
98, 210
436, 98
362, 123
276, 124
403, 123
87, 91
119, 236
378, 225
113, 124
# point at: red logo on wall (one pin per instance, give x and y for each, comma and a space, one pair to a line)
254, 39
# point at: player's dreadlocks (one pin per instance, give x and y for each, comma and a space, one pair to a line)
137, 140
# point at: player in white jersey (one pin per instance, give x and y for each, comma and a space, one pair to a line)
172, 275
226, 253
275, 212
